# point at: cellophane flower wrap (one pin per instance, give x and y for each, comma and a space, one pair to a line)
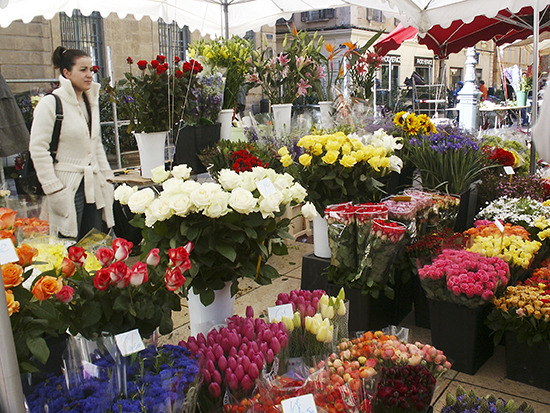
524, 309
342, 235
340, 168
384, 242
233, 358
464, 277
233, 226
205, 99
158, 380
423, 202
364, 216
401, 209
443, 211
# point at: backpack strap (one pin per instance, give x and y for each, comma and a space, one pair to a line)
57, 126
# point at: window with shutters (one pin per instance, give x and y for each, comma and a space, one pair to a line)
318, 15
374, 15
173, 40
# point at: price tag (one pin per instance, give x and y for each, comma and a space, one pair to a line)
300, 404
266, 187
7, 251
129, 342
279, 311
402, 198
499, 226
90, 369
509, 170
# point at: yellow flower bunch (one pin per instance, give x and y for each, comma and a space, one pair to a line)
414, 124
320, 327
527, 300
51, 256
513, 249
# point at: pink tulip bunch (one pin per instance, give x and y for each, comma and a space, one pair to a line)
304, 301
234, 356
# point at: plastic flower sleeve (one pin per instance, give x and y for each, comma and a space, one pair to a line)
381, 248
443, 211
342, 235
401, 209
363, 218
423, 202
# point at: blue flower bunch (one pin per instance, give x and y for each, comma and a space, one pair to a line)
441, 142
205, 100
159, 380
464, 402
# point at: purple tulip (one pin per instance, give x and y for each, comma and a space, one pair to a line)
222, 363
259, 361
225, 344
210, 356
239, 372
201, 340
211, 338
233, 352
207, 376
283, 340
249, 312
214, 389
249, 333
247, 383
263, 347
217, 377
253, 371
240, 353
269, 356
217, 350
224, 331
232, 363
253, 346
275, 345
244, 340
192, 346
310, 311
251, 354
315, 302
246, 363
234, 340
284, 297
210, 366
232, 381
267, 336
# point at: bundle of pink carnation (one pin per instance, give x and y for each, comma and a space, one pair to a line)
466, 272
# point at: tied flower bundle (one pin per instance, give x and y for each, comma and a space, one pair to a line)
158, 380
290, 74
464, 277
117, 298
338, 168
524, 309
156, 97
30, 227
233, 56
470, 403
423, 203
232, 224
443, 211
232, 358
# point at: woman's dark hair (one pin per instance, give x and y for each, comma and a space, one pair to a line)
63, 58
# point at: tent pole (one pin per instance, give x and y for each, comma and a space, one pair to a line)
225, 6
534, 107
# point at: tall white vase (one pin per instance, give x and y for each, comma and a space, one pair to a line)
321, 247
226, 118
282, 115
202, 318
151, 151
326, 118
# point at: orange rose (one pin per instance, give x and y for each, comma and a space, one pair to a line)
46, 287
4, 233
13, 306
67, 268
7, 218
12, 275
26, 253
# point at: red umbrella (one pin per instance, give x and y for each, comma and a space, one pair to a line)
505, 25
394, 39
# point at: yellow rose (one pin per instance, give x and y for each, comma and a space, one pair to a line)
377, 162
283, 151
358, 155
317, 149
306, 142
13, 306
286, 160
346, 148
348, 161
357, 145
330, 157
332, 145
305, 159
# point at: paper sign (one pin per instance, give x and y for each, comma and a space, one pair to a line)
266, 187
279, 311
499, 226
509, 170
90, 369
129, 342
7, 251
300, 404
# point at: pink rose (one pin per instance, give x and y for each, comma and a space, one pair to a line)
77, 255
138, 275
153, 258
174, 279
179, 257
120, 274
105, 256
122, 248
102, 279
65, 294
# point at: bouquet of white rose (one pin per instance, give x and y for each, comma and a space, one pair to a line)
232, 223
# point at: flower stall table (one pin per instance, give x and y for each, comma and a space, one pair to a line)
501, 112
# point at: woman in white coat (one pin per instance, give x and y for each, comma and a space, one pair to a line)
78, 188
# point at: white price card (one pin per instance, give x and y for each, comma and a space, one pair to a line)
509, 170
90, 369
266, 187
300, 404
129, 342
7, 251
499, 226
279, 311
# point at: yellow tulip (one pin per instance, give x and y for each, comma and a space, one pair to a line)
297, 320
283, 151
286, 160
289, 323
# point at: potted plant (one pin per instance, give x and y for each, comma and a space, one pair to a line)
232, 225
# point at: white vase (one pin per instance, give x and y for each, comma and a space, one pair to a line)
321, 248
202, 318
151, 151
226, 118
282, 115
326, 118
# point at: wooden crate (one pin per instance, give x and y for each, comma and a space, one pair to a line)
299, 226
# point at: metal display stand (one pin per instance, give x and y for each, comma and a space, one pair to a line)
429, 99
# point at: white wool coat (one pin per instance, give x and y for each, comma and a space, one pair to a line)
79, 156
